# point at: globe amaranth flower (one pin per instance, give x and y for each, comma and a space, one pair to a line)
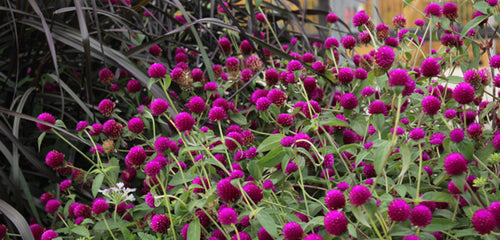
309, 84
234, 139
49, 235
360, 18
382, 31
112, 129
289, 141
349, 101
348, 42
228, 216
46, 117
332, 18
254, 192
384, 57
360, 74
417, 134
457, 135
160, 223
52, 205
359, 195
433, 9
241, 236
81, 125
291, 167
494, 208
294, 65
106, 76
216, 114
483, 221
152, 168
135, 157
292, 231
430, 67
158, 106
463, 93
455, 164
431, 105
133, 86
495, 61
184, 121
364, 38
136, 125
421, 216
453, 189
419, 22
54, 159
271, 77
367, 91
475, 130
227, 191
263, 104
335, 199
157, 70
399, 21
331, 42
345, 76
65, 185
277, 97
398, 77
99, 205
450, 10
335, 222
225, 45
399, 210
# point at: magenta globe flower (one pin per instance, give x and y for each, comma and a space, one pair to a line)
431, 105
421, 216
292, 231
430, 67
455, 164
46, 117
160, 223
463, 93
184, 121
228, 216
359, 195
399, 210
335, 222
483, 221
157, 70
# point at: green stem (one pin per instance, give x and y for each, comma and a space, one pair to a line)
74, 147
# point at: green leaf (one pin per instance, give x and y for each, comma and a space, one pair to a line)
267, 222
455, 79
17, 219
273, 158
40, 140
406, 157
254, 169
381, 156
483, 7
60, 124
473, 23
194, 230
96, 185
459, 181
400, 230
80, 230
439, 224
378, 121
334, 122
362, 218
238, 118
270, 143
438, 197
257, 3
179, 178
361, 156
145, 236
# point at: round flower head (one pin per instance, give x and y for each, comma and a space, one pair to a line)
184, 121
334, 199
360, 18
106, 76
246, 47
136, 156
450, 10
150, 200
430, 67
495, 61
157, 70
106, 106
277, 97
65, 185
496, 141
54, 159
232, 64
112, 129
450, 113
348, 42
421, 216
419, 22
335, 222
291, 167
331, 42
99, 206
133, 86
398, 77
289, 141
359, 195
155, 50
399, 210
225, 45
332, 18
345, 76
254, 192
262, 104
136, 125
475, 130
216, 114
196, 105
384, 57
46, 117
433, 9
49, 235
241, 236
349, 101
158, 106
227, 191
294, 65
364, 38
52, 205
494, 208
360, 74
152, 168
493, 2
292, 231
271, 76
399, 21
411, 237
382, 31
463, 93
431, 105
81, 125
228, 216
417, 134
313, 236
483, 221
455, 164
367, 91
160, 223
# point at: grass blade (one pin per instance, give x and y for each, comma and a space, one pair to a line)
17, 219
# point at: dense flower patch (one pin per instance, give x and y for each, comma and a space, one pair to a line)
310, 145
